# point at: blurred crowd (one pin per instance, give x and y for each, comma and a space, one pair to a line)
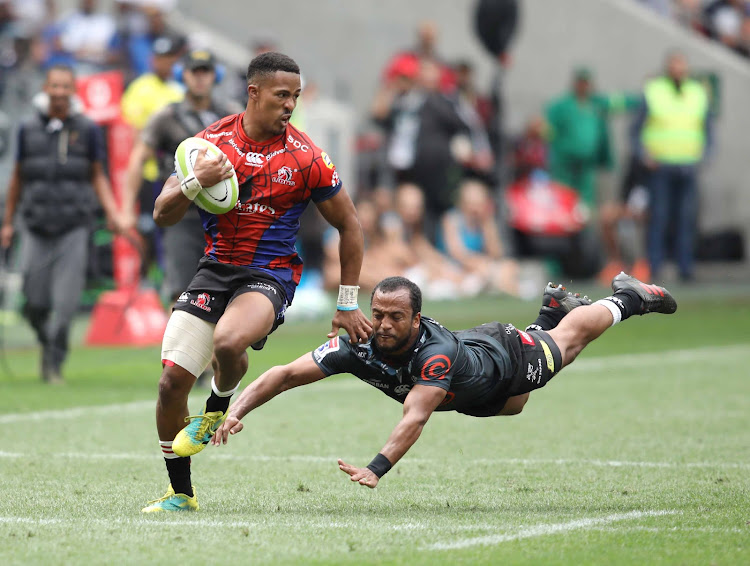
725, 21
445, 195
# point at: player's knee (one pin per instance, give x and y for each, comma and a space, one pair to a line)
174, 385
228, 347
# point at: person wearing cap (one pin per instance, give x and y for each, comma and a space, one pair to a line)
183, 242
143, 97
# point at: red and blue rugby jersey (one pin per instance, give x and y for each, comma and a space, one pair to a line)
277, 179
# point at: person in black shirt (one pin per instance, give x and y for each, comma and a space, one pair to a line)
485, 371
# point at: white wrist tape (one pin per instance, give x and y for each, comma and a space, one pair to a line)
347, 300
190, 187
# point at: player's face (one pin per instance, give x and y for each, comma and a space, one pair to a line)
200, 81
273, 101
59, 87
394, 325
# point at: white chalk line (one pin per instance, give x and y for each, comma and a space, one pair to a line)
313, 459
546, 529
665, 358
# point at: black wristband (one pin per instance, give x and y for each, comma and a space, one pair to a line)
379, 465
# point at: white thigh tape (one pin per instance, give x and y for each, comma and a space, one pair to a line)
188, 342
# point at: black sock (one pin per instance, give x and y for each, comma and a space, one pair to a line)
216, 403
179, 475
546, 320
627, 301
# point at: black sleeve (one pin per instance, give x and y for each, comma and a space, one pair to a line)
434, 366
334, 356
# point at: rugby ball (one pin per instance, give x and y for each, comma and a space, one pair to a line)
218, 199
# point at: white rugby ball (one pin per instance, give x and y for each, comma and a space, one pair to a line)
218, 199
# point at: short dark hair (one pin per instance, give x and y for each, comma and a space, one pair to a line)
267, 64
60, 67
391, 284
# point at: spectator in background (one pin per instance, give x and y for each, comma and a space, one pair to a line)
57, 211
475, 110
138, 26
421, 124
88, 35
579, 136
671, 135
470, 236
530, 150
723, 20
382, 255
145, 96
441, 278
425, 51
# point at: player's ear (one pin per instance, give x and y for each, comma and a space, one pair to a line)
252, 92
417, 320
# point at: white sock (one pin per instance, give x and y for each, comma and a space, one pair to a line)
613, 308
222, 393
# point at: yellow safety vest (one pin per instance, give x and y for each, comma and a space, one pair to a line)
674, 132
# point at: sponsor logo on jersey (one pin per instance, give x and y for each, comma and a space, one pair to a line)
534, 374
254, 159
324, 349
402, 389
436, 366
376, 383
218, 134
509, 328
239, 151
201, 301
284, 176
525, 338
326, 159
183, 298
548, 355
297, 144
254, 208
335, 179
275, 153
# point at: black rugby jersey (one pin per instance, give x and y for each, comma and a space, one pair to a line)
472, 367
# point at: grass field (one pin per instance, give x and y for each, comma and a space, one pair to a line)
639, 453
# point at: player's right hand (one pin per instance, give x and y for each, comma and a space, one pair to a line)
232, 425
355, 323
210, 170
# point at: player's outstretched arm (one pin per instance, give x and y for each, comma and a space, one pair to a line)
340, 213
276, 380
420, 403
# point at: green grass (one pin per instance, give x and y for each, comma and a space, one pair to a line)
639, 453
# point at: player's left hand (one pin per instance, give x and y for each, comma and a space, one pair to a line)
364, 476
356, 324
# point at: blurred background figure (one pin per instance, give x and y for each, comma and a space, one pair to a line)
145, 96
56, 212
672, 137
470, 236
87, 34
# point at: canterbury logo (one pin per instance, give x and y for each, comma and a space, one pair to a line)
653, 289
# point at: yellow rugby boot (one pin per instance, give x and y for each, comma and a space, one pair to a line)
194, 437
172, 502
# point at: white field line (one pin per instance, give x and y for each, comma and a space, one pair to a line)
667, 357
312, 459
546, 529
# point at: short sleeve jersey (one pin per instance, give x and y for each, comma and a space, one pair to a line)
471, 367
277, 180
